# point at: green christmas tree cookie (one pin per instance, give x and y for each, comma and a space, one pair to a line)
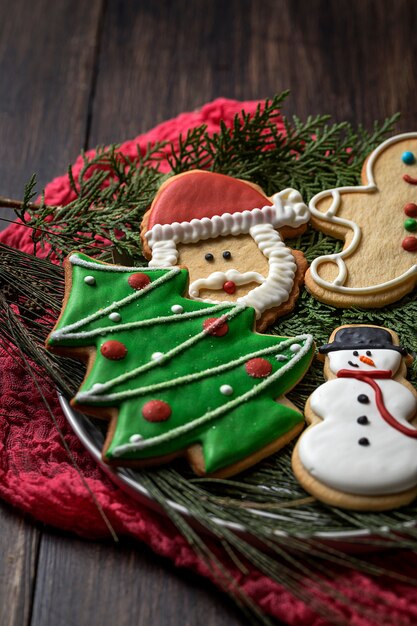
177, 376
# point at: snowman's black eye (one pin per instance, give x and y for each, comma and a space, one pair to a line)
227, 255
368, 353
209, 257
355, 353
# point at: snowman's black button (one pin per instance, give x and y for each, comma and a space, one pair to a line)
363, 420
363, 441
363, 398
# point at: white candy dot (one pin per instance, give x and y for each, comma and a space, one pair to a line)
135, 438
90, 280
226, 390
157, 355
115, 317
177, 308
295, 347
281, 357
97, 387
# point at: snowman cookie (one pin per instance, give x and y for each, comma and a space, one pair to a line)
360, 450
229, 235
378, 223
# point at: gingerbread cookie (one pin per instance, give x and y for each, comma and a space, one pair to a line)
228, 234
378, 223
176, 377
360, 450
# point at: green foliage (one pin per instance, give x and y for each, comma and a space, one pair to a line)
113, 191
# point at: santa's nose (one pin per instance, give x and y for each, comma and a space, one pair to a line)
229, 286
367, 360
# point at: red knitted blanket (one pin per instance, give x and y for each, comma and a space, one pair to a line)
37, 476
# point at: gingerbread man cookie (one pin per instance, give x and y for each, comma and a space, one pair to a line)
360, 450
229, 235
378, 222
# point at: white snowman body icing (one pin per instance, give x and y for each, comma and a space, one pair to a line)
353, 449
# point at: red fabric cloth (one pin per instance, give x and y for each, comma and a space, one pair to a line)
37, 476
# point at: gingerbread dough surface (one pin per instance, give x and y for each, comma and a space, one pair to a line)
377, 221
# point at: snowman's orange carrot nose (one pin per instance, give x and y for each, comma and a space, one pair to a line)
367, 360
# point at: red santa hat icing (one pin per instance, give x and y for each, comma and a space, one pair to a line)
201, 205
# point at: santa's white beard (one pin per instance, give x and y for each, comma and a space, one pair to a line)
270, 292
216, 280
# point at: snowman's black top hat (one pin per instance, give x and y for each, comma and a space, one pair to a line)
362, 337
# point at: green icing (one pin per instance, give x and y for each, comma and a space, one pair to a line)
188, 377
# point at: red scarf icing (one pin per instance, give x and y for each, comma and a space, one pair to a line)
368, 378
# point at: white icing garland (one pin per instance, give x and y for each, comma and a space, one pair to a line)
96, 393
167, 355
65, 334
215, 413
330, 216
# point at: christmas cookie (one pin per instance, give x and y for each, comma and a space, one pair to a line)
378, 223
360, 450
229, 235
176, 376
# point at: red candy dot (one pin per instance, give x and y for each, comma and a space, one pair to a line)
214, 326
410, 244
156, 411
258, 368
229, 286
113, 350
139, 280
410, 209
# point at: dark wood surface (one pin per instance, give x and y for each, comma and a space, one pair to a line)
74, 74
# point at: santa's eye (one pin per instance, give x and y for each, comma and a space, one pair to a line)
368, 353
209, 257
355, 353
227, 255
408, 158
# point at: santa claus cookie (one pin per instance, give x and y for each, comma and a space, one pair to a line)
378, 223
360, 450
228, 234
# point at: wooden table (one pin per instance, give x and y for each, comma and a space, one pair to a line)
75, 74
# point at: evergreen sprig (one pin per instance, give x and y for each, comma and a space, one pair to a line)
111, 194
112, 191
